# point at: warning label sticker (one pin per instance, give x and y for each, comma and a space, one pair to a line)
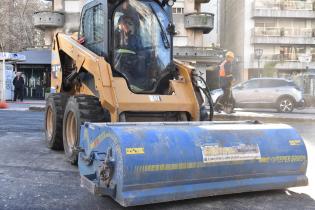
295, 142
154, 98
217, 153
135, 151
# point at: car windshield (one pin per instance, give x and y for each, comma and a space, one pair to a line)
141, 44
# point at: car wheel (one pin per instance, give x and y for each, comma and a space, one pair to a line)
285, 105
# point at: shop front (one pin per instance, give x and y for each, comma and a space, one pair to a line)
36, 73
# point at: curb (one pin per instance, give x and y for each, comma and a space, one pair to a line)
228, 117
221, 117
36, 109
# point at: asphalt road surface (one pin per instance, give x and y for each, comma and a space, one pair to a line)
34, 177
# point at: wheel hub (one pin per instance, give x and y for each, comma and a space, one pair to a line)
71, 130
286, 105
49, 122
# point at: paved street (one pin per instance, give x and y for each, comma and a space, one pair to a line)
34, 177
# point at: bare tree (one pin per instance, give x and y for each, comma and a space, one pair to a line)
17, 31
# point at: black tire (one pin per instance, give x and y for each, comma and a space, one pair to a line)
218, 106
55, 107
209, 102
79, 109
211, 107
285, 104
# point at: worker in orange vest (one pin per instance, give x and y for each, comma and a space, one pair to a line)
226, 77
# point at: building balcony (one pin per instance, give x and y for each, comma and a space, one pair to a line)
282, 40
283, 9
294, 65
277, 35
287, 57
199, 21
202, 1
200, 54
48, 19
287, 61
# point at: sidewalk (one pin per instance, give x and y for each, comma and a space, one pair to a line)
26, 105
307, 114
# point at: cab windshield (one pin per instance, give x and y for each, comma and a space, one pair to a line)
141, 44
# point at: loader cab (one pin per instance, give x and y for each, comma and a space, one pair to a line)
134, 37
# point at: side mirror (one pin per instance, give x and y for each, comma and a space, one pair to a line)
171, 29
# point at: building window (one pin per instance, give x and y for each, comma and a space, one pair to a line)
265, 25
313, 54
291, 53
178, 10
266, 29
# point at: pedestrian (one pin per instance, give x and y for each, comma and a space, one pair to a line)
18, 83
226, 77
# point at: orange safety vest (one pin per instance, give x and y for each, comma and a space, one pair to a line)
222, 70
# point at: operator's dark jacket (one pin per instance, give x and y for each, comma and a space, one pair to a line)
134, 43
18, 83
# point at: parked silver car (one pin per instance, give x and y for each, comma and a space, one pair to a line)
282, 94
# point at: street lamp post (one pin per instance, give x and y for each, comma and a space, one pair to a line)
3, 103
258, 54
3, 74
305, 59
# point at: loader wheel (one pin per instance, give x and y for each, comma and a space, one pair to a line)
79, 109
55, 106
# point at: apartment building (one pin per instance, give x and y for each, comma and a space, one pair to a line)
64, 17
196, 41
205, 25
271, 37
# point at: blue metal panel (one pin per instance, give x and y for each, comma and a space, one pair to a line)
159, 162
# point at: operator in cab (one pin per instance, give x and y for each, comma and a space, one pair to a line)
141, 44
226, 77
126, 32
126, 36
127, 44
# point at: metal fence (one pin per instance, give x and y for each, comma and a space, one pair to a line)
282, 57
286, 32
283, 5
